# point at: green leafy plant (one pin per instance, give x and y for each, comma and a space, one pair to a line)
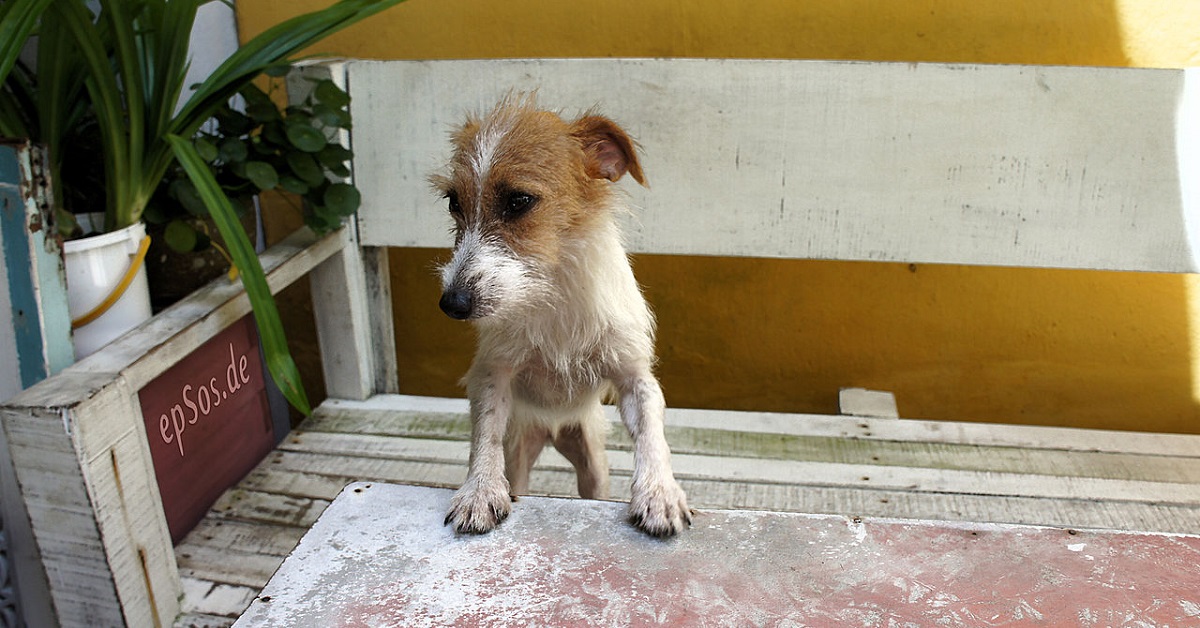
259, 147
130, 60
266, 315
18, 19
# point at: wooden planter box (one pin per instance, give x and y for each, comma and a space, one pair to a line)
210, 419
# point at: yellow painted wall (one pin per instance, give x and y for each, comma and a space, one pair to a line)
1062, 347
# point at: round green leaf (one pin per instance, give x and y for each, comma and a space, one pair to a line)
329, 93
273, 134
260, 147
342, 198
157, 213
334, 155
303, 136
262, 111
262, 174
180, 236
253, 94
306, 168
288, 183
183, 191
322, 220
233, 149
233, 123
328, 116
206, 149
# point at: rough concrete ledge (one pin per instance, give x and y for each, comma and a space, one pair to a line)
380, 555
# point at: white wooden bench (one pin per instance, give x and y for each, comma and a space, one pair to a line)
1056, 167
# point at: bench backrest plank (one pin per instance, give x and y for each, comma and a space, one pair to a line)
994, 165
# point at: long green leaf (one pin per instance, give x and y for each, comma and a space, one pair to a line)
126, 44
109, 104
18, 18
170, 52
18, 114
279, 360
269, 48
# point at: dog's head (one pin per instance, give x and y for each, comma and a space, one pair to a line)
522, 184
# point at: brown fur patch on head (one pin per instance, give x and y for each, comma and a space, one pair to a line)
525, 175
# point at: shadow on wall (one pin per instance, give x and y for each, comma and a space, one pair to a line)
1030, 346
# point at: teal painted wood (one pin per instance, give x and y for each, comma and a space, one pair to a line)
33, 263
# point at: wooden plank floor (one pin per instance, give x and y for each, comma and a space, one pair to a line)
812, 464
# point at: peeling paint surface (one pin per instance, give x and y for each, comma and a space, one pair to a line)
380, 556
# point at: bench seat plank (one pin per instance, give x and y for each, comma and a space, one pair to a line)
805, 437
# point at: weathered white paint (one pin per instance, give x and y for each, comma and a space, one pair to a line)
35, 327
340, 303
863, 402
1003, 165
80, 500
917, 479
1188, 150
863, 428
162, 341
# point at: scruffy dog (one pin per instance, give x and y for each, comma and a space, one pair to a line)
539, 268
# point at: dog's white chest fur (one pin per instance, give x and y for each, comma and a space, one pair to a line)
571, 342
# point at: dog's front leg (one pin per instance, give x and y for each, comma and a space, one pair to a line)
657, 504
483, 501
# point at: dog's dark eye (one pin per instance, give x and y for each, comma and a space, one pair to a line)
516, 204
455, 208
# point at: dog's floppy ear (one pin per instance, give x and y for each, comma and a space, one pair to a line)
608, 152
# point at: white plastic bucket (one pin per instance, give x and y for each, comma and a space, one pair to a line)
95, 267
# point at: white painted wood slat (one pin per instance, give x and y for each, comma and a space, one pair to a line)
967, 164
867, 428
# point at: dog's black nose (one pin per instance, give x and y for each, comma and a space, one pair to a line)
457, 303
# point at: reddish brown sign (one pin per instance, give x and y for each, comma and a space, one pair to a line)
209, 422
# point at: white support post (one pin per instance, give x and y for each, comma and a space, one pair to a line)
341, 305
357, 348
383, 334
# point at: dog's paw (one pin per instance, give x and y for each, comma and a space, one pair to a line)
659, 508
478, 507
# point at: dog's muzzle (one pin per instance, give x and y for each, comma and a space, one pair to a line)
457, 303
